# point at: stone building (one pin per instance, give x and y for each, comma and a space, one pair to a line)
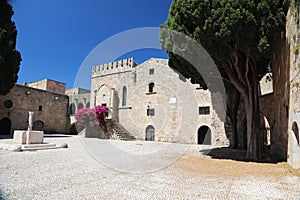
78, 98
49, 85
50, 110
154, 102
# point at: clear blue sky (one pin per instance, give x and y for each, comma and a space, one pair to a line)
55, 36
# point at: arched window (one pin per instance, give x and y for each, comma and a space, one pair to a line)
124, 96
151, 87
87, 105
150, 133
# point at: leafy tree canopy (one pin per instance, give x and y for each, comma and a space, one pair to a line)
10, 58
226, 26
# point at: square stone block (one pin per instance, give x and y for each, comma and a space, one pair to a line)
35, 137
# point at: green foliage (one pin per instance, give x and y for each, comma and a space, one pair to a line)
10, 58
221, 25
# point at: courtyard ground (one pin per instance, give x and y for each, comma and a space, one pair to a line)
102, 169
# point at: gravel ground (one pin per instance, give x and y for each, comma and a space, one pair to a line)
101, 169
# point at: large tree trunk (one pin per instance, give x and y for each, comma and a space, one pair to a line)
232, 109
251, 100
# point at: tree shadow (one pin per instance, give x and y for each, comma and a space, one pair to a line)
226, 153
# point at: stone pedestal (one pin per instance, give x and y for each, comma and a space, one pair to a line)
35, 137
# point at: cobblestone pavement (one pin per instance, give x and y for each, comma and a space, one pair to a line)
171, 171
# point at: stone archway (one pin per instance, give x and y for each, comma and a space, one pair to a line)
150, 133
80, 106
5, 126
204, 135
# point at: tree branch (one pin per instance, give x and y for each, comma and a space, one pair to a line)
235, 81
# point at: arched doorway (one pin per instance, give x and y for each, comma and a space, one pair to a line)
204, 135
295, 129
38, 125
80, 105
5, 126
150, 133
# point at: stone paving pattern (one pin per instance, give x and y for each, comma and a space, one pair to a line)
75, 173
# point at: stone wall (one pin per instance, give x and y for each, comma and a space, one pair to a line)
75, 91
50, 109
49, 85
286, 95
293, 38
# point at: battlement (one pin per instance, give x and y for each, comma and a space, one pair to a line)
119, 66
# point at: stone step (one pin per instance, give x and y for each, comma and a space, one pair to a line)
28, 147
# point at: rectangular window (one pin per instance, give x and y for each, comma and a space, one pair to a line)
150, 112
40, 108
204, 110
151, 71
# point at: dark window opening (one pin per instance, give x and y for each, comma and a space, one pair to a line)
151, 71
72, 108
150, 112
104, 104
204, 110
40, 108
151, 87
124, 96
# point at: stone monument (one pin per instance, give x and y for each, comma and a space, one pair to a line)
30, 136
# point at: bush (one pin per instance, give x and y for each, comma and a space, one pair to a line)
91, 117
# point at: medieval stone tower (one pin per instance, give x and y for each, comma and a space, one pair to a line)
153, 102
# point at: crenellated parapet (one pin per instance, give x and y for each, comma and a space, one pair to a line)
119, 66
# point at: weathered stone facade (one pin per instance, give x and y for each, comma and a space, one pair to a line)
282, 107
154, 102
78, 98
50, 110
49, 85
293, 84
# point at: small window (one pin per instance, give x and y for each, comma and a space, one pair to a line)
124, 96
150, 112
204, 110
151, 87
8, 103
40, 108
151, 71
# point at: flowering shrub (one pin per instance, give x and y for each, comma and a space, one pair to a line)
91, 116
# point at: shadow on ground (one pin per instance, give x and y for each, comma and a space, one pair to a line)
56, 136
237, 155
2, 197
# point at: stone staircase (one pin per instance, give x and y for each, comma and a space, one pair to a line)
120, 133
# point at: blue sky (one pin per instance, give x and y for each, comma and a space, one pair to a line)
56, 36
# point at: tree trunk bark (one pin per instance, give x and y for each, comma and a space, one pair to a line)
253, 123
233, 105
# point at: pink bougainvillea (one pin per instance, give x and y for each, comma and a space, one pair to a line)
91, 116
